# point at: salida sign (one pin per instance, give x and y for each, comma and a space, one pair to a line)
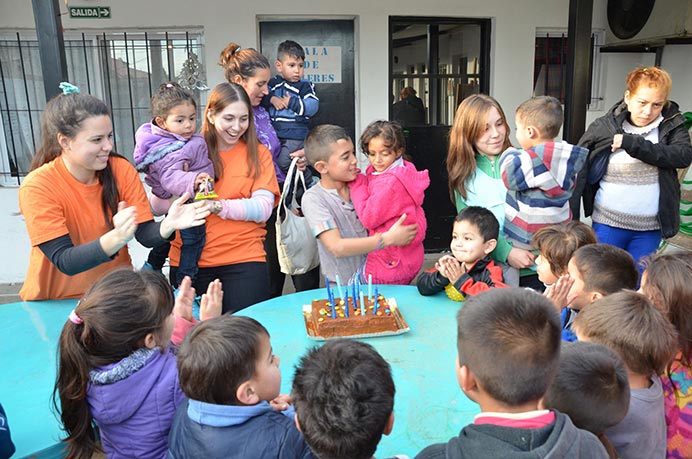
323, 64
95, 12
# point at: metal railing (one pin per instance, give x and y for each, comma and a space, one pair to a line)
121, 68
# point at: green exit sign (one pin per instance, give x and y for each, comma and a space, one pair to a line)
96, 12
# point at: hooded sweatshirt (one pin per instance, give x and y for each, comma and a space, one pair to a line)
558, 440
133, 403
171, 162
540, 182
380, 200
207, 431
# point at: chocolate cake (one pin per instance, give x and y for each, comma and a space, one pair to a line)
320, 319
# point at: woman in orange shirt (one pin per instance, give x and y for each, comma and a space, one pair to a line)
82, 202
248, 191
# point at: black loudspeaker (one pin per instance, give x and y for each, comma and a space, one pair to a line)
426, 146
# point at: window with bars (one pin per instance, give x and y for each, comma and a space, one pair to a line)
550, 66
121, 68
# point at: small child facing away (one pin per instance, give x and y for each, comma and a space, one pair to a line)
230, 374
390, 188
556, 244
541, 177
469, 270
630, 325
116, 369
666, 281
344, 399
596, 270
342, 240
591, 388
176, 161
508, 343
291, 103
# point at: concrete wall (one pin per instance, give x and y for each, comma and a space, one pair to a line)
511, 55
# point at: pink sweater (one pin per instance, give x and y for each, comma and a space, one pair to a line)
379, 201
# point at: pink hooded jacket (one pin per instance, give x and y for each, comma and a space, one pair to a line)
380, 200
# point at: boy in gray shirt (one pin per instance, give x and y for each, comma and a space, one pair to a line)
342, 241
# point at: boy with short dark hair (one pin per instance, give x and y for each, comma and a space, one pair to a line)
343, 394
630, 325
229, 373
342, 240
591, 388
540, 177
508, 344
291, 102
469, 270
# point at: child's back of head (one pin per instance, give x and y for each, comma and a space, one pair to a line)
557, 243
630, 325
319, 139
543, 113
218, 356
117, 316
343, 394
591, 387
510, 340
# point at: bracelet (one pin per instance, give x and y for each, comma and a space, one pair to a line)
380, 241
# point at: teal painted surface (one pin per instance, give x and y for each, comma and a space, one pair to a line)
28, 341
429, 406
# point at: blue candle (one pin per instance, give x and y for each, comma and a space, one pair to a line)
329, 290
374, 311
362, 304
346, 308
355, 296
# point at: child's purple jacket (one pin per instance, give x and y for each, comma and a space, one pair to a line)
164, 156
135, 414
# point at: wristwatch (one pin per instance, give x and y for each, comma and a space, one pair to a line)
216, 207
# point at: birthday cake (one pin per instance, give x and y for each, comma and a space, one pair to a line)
322, 321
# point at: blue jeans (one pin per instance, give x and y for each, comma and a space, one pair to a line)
193, 243
639, 244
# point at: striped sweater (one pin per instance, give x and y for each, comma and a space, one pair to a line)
539, 182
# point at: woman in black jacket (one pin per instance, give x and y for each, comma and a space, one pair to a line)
630, 185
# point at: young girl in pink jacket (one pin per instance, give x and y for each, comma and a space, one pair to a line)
390, 187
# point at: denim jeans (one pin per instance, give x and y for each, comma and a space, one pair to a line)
193, 242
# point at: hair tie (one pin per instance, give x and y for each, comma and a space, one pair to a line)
68, 88
74, 318
169, 85
237, 49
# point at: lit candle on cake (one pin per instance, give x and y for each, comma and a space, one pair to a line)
375, 301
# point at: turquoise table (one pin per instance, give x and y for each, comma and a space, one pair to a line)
429, 406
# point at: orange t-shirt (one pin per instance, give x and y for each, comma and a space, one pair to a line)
55, 204
234, 241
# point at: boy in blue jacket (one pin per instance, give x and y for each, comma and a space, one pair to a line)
291, 103
232, 379
6, 446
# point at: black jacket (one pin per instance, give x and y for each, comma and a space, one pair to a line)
672, 151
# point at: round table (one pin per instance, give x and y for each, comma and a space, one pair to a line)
429, 406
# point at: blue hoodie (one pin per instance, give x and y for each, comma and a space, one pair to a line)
207, 431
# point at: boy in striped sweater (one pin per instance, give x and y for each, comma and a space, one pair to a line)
540, 177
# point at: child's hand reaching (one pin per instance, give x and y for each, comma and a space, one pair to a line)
399, 234
211, 302
281, 402
183, 302
557, 293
